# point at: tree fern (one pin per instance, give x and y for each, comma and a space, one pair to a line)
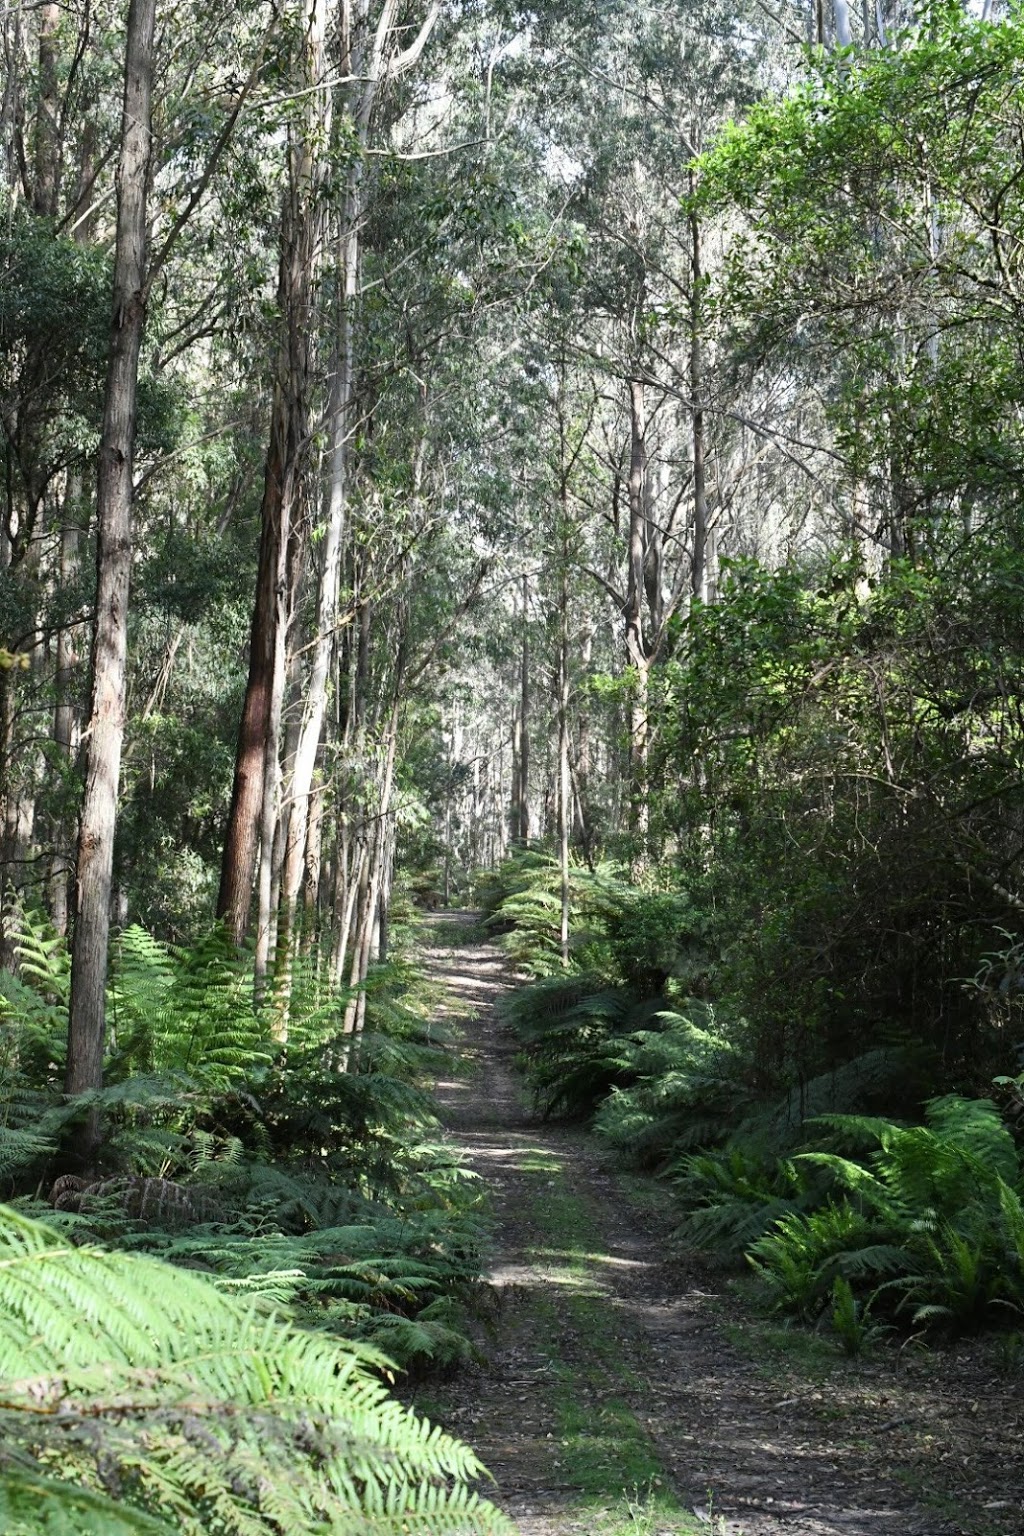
147, 1386
687, 1088
41, 953
524, 906
572, 1030
798, 1260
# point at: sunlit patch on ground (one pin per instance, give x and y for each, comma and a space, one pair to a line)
614, 1398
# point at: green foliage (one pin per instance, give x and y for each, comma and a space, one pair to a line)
521, 901
599, 1036
187, 1011
660, 937
850, 1319
309, 1173
33, 1036
141, 1398
54, 322
931, 1225
732, 1196
856, 811
836, 741
571, 1029
686, 1087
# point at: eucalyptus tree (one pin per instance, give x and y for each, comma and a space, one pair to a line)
872, 807
626, 99
847, 282
83, 154
370, 59
57, 106
94, 870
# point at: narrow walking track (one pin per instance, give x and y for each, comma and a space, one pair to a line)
615, 1391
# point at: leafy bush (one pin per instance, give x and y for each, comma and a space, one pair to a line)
852, 827
731, 1195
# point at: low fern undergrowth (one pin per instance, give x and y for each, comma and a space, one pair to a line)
310, 1172
137, 1398
271, 1227
846, 1217
927, 1227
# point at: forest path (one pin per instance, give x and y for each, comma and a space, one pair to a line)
621, 1392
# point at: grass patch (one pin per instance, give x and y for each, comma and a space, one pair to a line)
604, 1453
785, 1352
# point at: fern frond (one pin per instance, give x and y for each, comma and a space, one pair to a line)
34, 1505
203, 1411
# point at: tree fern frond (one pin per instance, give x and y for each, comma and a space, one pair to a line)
978, 1128
20, 1149
34, 1505
203, 1410
41, 952
851, 1176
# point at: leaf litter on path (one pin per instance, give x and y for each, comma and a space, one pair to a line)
622, 1392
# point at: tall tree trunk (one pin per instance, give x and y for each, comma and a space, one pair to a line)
565, 795
377, 843
315, 704
270, 807
365, 62
287, 455
700, 495
313, 865
637, 653
584, 757
11, 108
844, 33
113, 510
350, 849
46, 187
520, 819
65, 711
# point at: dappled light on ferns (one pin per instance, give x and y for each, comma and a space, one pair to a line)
138, 1397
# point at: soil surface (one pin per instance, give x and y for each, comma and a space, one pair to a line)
756, 1432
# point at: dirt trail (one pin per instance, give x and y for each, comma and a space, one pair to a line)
604, 1352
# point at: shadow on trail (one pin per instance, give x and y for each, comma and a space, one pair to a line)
602, 1346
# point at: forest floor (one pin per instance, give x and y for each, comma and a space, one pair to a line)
626, 1391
